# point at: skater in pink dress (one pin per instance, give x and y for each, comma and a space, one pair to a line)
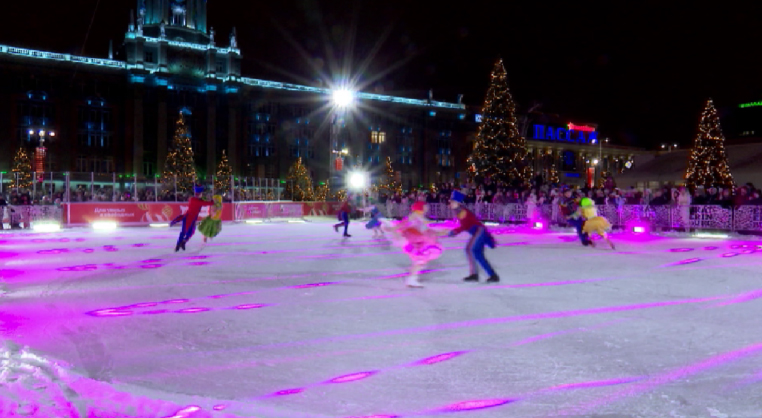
418, 241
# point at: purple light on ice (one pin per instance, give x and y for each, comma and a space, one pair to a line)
102, 313
250, 306
176, 301
197, 257
142, 305
88, 250
594, 384
439, 358
286, 392
218, 407
305, 286
80, 240
53, 251
352, 377
194, 310
689, 261
151, 260
151, 266
86, 267
680, 250
156, 312
476, 404
728, 255
139, 245
185, 412
110, 248
745, 297
710, 248
198, 263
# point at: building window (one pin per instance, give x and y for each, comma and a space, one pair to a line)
148, 169
377, 137
149, 57
221, 67
82, 164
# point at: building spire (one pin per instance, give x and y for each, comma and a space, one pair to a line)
110, 49
132, 21
233, 39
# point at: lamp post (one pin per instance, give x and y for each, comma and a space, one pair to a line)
669, 147
600, 156
341, 100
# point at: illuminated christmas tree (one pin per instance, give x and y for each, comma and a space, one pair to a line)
389, 184
224, 173
180, 160
22, 170
500, 150
322, 192
708, 163
553, 175
299, 182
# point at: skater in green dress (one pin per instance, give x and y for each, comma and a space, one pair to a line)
212, 224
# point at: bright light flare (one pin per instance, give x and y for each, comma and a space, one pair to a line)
708, 235
343, 97
104, 225
357, 180
46, 227
159, 225
638, 229
254, 221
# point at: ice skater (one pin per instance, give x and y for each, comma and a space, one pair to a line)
569, 208
346, 208
375, 222
190, 217
417, 240
479, 238
211, 226
594, 222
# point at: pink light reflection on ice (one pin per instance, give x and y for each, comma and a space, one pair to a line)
305, 286
664, 378
286, 392
352, 377
185, 412
475, 405
193, 310
109, 313
155, 312
151, 260
680, 250
251, 306
710, 248
151, 266
176, 301
438, 358
745, 297
198, 263
86, 267
218, 407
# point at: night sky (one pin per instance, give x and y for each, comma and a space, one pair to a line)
641, 71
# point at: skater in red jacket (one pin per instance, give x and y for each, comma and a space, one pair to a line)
479, 238
190, 217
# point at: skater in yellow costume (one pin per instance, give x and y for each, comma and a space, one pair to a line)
211, 226
594, 222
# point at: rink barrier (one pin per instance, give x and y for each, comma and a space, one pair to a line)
698, 217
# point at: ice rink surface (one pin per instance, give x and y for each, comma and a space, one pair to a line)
290, 320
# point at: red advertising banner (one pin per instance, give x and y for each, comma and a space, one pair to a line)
145, 213
135, 214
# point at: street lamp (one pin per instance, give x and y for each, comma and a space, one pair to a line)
669, 147
342, 100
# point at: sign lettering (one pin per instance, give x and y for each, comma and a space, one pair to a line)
575, 136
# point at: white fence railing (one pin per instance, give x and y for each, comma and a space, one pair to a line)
742, 218
24, 216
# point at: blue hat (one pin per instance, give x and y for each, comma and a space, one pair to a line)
457, 196
198, 189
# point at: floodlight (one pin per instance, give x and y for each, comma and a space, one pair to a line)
357, 180
104, 225
343, 97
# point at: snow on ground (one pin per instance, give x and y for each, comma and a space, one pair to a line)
291, 320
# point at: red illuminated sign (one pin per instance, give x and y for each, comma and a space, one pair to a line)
39, 160
581, 128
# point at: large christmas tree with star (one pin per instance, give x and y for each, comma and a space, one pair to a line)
708, 163
499, 151
179, 162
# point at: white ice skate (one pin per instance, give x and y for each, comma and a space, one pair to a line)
412, 281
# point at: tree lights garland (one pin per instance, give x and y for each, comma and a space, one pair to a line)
707, 162
299, 182
224, 173
390, 184
499, 151
322, 192
22, 169
180, 160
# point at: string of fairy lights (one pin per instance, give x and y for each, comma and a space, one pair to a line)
179, 166
499, 150
708, 162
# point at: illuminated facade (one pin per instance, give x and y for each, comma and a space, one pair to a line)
118, 115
